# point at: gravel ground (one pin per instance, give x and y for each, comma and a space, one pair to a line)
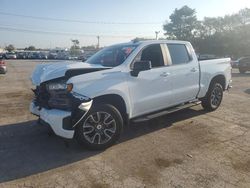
190, 148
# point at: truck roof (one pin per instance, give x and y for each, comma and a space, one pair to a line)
148, 42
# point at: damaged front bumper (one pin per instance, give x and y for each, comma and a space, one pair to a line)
62, 122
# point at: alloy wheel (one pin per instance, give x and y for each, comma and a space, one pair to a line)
216, 96
99, 127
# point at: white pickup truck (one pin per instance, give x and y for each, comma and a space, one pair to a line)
137, 81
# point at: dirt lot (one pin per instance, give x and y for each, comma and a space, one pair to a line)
190, 148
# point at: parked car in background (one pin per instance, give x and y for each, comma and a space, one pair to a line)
10, 55
52, 56
30, 54
63, 56
87, 56
235, 63
35, 55
244, 64
43, 55
21, 55
81, 57
3, 68
69, 57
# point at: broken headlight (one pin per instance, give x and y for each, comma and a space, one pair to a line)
60, 86
57, 86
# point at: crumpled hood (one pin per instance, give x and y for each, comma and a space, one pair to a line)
45, 72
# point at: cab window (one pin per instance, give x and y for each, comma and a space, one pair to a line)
152, 53
178, 53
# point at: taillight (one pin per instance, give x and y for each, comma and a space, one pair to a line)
2, 62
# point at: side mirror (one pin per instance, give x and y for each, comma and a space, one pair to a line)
140, 66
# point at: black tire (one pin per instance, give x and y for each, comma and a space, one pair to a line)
100, 128
213, 98
242, 71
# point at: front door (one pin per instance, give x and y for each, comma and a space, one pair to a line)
151, 90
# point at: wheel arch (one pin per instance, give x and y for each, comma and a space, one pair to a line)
115, 100
206, 101
220, 78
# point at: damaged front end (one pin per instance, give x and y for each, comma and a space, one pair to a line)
57, 105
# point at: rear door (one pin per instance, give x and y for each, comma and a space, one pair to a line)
184, 73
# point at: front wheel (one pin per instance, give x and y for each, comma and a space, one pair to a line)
100, 128
213, 98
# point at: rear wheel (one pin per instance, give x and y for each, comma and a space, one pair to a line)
100, 128
213, 98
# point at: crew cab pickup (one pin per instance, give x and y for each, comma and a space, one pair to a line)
92, 101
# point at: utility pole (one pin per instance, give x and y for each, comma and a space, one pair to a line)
156, 34
98, 42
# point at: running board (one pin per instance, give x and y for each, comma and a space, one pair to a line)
166, 111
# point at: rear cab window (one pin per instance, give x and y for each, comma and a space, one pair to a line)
179, 54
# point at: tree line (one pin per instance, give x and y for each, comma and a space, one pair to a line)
75, 49
11, 48
221, 36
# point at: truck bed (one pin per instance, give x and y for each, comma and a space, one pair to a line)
209, 68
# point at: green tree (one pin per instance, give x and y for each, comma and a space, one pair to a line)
222, 36
228, 35
31, 48
75, 42
182, 25
91, 47
244, 16
75, 48
10, 48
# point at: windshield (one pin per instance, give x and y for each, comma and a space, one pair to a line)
112, 56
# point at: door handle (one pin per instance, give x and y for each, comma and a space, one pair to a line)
164, 74
193, 70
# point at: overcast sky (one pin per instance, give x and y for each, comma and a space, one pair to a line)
23, 23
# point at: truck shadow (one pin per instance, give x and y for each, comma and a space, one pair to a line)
27, 149
142, 128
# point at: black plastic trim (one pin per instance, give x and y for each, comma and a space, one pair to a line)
75, 72
67, 123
